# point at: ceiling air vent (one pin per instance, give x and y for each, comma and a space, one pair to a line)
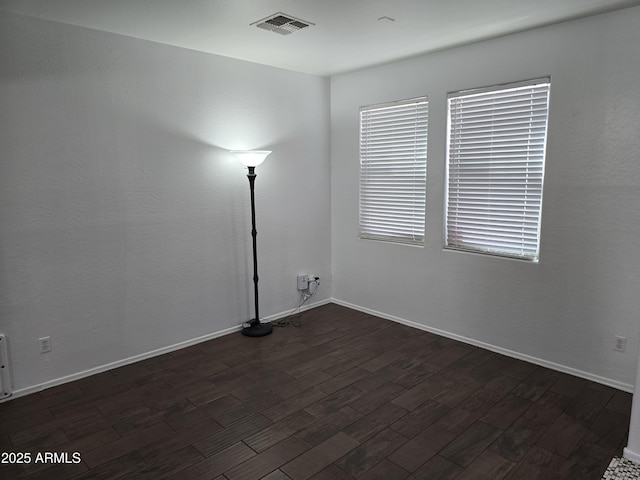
282, 24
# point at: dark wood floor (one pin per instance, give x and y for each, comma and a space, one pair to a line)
345, 395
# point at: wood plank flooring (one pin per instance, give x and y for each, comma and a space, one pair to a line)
345, 395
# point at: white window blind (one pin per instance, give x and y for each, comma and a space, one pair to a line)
495, 167
393, 171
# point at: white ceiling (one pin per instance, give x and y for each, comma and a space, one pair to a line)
347, 34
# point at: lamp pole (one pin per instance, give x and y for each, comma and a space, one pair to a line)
251, 159
254, 233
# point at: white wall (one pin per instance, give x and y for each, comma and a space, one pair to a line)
125, 222
565, 310
632, 450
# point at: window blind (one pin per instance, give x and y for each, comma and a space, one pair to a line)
495, 168
393, 171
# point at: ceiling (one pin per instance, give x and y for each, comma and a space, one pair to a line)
347, 34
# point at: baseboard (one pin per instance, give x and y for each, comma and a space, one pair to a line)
171, 348
633, 456
487, 346
154, 353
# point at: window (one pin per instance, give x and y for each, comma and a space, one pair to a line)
393, 171
495, 167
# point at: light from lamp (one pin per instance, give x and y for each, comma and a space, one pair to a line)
251, 158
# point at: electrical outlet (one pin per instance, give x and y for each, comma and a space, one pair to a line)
303, 282
621, 343
45, 344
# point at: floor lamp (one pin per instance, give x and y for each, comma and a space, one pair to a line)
251, 159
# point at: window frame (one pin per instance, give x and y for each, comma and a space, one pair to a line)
410, 204
526, 254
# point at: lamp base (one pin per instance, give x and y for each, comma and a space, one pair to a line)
257, 329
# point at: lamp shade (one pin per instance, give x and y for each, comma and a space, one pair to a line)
251, 158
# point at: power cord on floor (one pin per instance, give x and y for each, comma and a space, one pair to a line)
293, 319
